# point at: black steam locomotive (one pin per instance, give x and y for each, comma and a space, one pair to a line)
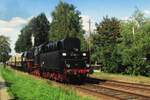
61, 60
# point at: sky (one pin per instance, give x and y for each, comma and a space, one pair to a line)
15, 14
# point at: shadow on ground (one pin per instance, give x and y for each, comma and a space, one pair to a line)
2, 85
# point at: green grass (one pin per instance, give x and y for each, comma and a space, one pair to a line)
25, 87
124, 78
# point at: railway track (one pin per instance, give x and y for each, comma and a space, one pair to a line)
116, 90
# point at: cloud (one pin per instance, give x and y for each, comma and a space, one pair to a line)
147, 12
11, 28
85, 23
126, 18
14, 22
49, 18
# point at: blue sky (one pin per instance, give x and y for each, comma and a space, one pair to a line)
94, 8
14, 14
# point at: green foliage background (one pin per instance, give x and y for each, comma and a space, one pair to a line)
125, 51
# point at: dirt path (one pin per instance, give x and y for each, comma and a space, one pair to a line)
3, 90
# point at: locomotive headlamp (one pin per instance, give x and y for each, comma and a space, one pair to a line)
84, 54
64, 54
87, 65
68, 65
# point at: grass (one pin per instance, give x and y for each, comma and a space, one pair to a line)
124, 78
25, 87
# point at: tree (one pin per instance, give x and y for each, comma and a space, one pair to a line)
135, 44
135, 47
4, 48
24, 40
108, 30
66, 22
106, 40
39, 27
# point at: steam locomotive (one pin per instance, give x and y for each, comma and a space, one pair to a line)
60, 60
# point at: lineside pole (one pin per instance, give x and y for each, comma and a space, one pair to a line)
89, 47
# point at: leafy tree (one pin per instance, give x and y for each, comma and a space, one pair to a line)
39, 27
106, 39
134, 48
24, 40
66, 22
109, 30
4, 48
